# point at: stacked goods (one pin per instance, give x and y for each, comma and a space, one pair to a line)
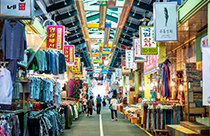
193, 89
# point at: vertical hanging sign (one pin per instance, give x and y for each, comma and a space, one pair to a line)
129, 59
151, 65
55, 36
69, 53
148, 45
165, 21
137, 57
76, 66
206, 78
118, 73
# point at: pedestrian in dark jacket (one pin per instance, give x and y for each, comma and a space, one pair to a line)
90, 106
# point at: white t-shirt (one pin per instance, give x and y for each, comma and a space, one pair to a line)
114, 103
84, 101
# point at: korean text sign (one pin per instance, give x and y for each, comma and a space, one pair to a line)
118, 72
69, 53
124, 69
151, 63
129, 59
137, 51
165, 21
55, 36
76, 66
17, 8
148, 45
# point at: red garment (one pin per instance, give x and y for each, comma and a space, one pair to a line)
163, 87
158, 118
36, 107
2, 133
169, 85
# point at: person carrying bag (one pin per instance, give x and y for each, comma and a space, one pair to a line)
113, 107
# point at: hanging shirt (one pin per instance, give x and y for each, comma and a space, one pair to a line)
5, 87
13, 41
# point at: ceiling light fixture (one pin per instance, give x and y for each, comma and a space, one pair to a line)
134, 12
139, 2
65, 2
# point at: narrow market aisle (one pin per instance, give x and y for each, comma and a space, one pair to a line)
121, 127
90, 126
85, 126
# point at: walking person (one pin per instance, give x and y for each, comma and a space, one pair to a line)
113, 105
104, 101
98, 101
90, 105
84, 104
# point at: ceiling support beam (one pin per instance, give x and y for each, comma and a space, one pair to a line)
106, 36
66, 15
102, 21
75, 37
77, 23
83, 23
43, 8
143, 5
123, 17
96, 16
60, 5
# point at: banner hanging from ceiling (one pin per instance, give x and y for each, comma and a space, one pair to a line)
206, 78
165, 21
129, 59
20, 9
161, 53
137, 52
124, 69
76, 66
69, 53
151, 65
80, 74
55, 36
148, 45
118, 73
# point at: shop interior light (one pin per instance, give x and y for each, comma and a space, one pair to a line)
155, 83
147, 85
172, 83
151, 85
140, 88
180, 88
143, 87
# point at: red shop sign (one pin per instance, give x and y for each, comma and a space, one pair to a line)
151, 63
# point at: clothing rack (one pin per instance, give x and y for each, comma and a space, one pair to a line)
163, 102
14, 112
42, 111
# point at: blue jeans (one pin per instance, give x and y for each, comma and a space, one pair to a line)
112, 111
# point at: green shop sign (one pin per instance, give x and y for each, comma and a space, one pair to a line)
148, 45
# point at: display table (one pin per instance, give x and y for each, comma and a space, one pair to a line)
195, 126
178, 130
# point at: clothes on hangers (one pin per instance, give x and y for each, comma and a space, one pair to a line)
10, 126
47, 62
48, 123
45, 90
6, 87
13, 41
156, 116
